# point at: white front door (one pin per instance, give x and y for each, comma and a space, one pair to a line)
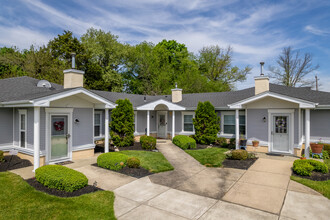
161, 124
281, 132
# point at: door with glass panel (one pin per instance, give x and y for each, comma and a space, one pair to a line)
59, 137
161, 130
280, 133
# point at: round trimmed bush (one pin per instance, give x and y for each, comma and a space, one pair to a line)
184, 142
148, 142
133, 162
305, 167
112, 160
61, 178
239, 155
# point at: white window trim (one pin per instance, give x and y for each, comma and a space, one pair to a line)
135, 122
182, 123
222, 121
101, 130
22, 112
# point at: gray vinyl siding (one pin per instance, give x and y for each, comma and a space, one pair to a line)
178, 122
256, 128
42, 129
320, 125
82, 132
141, 121
296, 127
6, 126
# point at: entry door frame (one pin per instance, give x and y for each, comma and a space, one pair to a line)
57, 112
278, 112
160, 113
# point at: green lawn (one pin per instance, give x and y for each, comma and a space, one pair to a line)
18, 200
212, 157
155, 162
322, 187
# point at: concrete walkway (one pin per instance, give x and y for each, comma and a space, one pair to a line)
193, 191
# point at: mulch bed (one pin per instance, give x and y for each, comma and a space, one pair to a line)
316, 176
239, 164
13, 162
38, 186
134, 172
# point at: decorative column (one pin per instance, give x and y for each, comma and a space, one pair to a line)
106, 131
237, 128
173, 124
36, 138
307, 132
148, 123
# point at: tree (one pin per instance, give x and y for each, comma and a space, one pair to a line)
11, 62
293, 68
122, 124
106, 55
216, 64
206, 123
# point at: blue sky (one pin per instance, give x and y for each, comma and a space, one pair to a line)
257, 30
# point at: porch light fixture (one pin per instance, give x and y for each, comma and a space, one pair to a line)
264, 119
76, 121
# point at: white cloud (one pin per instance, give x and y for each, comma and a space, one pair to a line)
22, 37
317, 31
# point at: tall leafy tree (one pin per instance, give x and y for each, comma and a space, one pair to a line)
293, 68
122, 124
11, 62
206, 123
105, 55
216, 64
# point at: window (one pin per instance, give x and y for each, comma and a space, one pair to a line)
229, 123
22, 128
188, 125
97, 124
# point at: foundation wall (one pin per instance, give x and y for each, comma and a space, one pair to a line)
83, 154
29, 157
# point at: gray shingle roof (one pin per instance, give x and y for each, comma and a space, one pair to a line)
25, 88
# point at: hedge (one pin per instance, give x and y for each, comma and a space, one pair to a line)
112, 160
2, 157
184, 142
61, 178
305, 167
327, 148
148, 142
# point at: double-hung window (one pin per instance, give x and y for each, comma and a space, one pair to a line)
228, 123
22, 116
97, 123
188, 125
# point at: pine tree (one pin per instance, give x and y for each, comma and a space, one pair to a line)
122, 124
206, 123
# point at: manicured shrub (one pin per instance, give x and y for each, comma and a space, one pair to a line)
148, 142
112, 160
2, 157
232, 143
61, 178
206, 123
133, 162
239, 155
327, 148
122, 124
184, 142
305, 167
222, 142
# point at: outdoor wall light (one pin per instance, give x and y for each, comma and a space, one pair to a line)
76, 120
264, 119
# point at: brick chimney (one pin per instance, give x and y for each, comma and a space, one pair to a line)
176, 94
73, 78
261, 82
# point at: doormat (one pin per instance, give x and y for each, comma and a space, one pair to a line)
64, 163
277, 155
